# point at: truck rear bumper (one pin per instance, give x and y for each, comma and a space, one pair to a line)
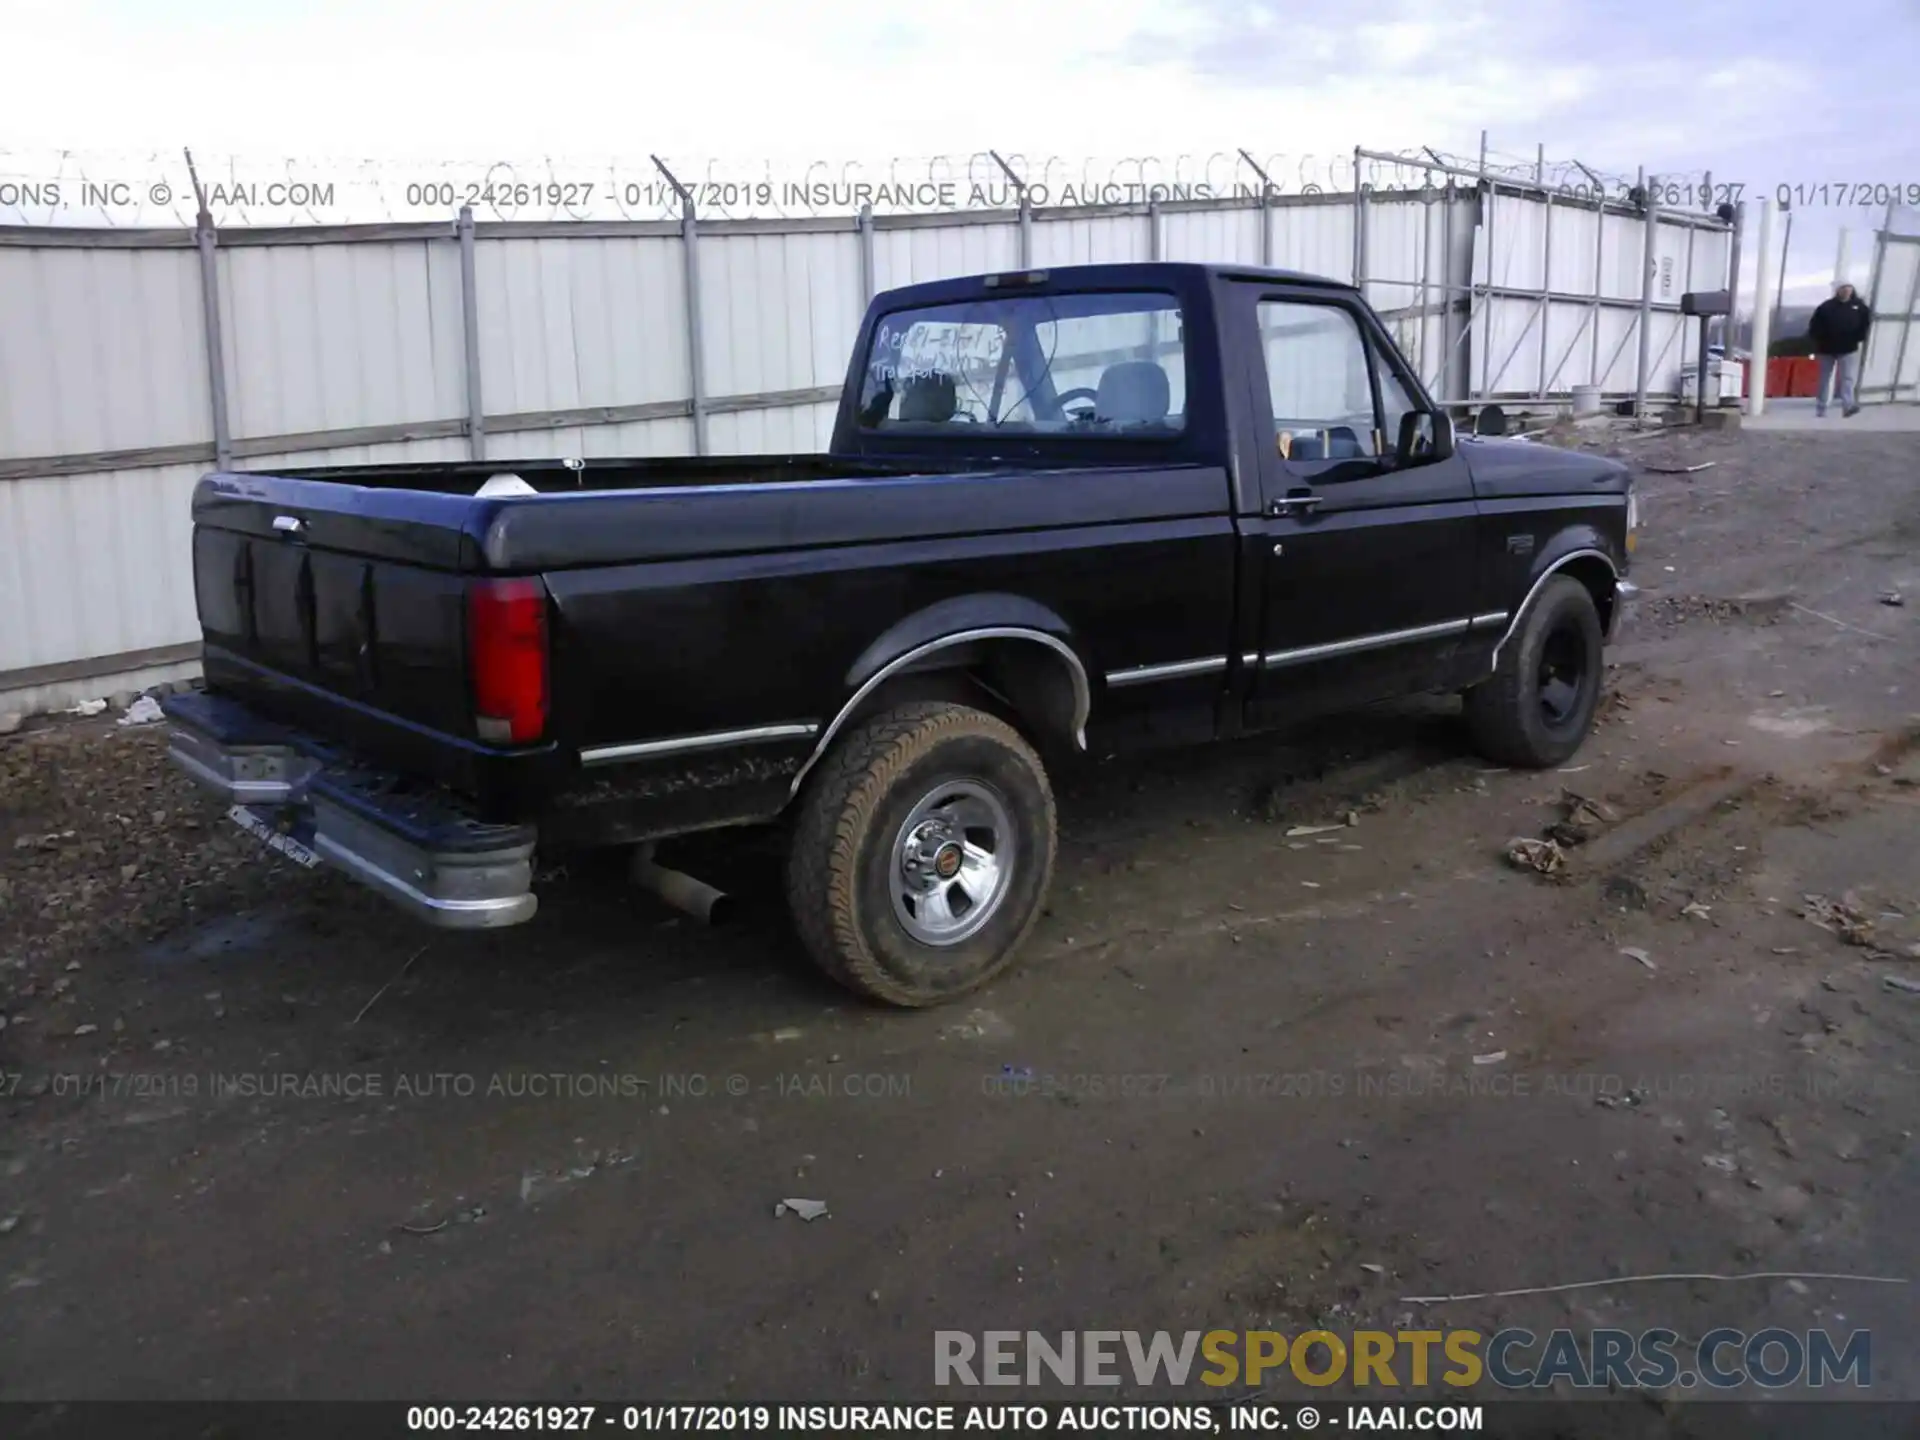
417, 847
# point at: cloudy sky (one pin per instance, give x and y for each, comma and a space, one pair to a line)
1763, 92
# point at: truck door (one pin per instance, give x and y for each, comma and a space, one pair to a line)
1370, 558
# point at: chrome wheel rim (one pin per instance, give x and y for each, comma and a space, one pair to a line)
952, 862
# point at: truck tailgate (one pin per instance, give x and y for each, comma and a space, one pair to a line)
341, 610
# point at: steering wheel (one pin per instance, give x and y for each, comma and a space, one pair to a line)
1078, 393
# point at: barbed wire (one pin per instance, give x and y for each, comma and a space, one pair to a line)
151, 188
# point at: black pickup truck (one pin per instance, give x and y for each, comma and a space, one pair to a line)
1085, 509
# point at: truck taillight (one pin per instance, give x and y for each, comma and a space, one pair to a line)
507, 655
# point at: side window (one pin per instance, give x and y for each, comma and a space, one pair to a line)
1318, 382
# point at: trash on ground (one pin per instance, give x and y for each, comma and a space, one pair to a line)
1679, 469
1893, 598
1721, 1162
1645, 959
1695, 910
85, 707
805, 1209
1543, 856
1492, 1057
1902, 984
1299, 830
143, 711
1842, 917
1373, 1269
1584, 818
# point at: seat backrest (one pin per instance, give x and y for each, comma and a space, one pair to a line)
1133, 392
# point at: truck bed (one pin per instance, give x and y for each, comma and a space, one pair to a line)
556, 477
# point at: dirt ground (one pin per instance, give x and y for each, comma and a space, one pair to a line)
1243, 1078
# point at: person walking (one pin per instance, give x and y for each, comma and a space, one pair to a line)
1838, 329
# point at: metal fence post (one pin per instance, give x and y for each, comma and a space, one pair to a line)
1026, 210
1877, 268
1359, 227
1649, 264
1486, 194
1732, 322
1444, 381
470, 329
1546, 283
1153, 230
696, 341
1426, 271
1266, 211
1762, 313
1906, 332
207, 240
866, 253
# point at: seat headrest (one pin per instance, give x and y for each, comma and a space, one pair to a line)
928, 398
1134, 392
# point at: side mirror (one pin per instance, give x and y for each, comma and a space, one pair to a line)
1425, 436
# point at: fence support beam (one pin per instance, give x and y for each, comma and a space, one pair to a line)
1649, 263
696, 341
1266, 211
1876, 268
207, 240
1762, 313
1900, 355
1359, 227
1026, 210
1426, 276
866, 253
1154, 244
1546, 282
470, 331
1488, 190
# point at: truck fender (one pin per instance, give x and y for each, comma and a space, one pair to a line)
1581, 552
962, 621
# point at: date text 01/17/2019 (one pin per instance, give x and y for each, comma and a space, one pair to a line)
1846, 194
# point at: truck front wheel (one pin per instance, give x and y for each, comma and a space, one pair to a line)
1536, 708
922, 853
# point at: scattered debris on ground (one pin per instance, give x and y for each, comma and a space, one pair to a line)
1583, 819
804, 1209
143, 711
1543, 856
1843, 917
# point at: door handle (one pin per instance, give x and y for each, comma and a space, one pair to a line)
1294, 505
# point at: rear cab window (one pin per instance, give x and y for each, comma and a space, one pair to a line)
1081, 365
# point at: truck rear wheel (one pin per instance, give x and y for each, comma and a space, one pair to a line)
922, 854
1537, 707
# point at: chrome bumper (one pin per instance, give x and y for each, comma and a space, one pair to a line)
1626, 602
419, 850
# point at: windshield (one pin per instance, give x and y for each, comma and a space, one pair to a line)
1083, 364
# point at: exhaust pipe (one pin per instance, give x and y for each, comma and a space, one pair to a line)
684, 893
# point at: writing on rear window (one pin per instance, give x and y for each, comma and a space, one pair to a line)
1083, 364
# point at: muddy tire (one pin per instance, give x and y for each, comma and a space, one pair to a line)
1537, 708
921, 853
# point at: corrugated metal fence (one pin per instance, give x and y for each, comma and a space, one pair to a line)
392, 343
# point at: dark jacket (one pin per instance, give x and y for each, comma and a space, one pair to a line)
1839, 327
